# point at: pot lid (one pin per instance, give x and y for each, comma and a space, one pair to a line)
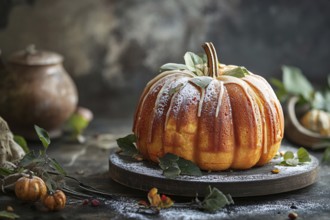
32, 56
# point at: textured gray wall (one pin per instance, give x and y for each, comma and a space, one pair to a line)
112, 48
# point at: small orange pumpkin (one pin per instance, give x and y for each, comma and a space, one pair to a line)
30, 188
55, 201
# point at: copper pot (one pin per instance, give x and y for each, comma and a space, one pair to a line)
36, 89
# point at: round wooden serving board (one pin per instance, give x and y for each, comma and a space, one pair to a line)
144, 175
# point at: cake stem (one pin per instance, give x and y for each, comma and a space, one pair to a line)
212, 59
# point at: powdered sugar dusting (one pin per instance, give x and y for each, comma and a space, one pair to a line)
257, 208
244, 179
151, 169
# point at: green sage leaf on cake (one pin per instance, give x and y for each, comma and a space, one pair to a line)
199, 72
193, 63
238, 72
173, 66
189, 61
201, 81
196, 60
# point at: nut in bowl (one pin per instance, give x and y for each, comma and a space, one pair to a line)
217, 116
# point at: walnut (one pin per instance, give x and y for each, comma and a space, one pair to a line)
10, 151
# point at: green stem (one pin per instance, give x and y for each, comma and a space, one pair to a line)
212, 59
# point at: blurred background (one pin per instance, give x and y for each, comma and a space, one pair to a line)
112, 48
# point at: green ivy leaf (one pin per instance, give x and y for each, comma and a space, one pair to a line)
238, 72
188, 168
173, 66
172, 171
8, 215
30, 159
303, 155
292, 162
201, 81
126, 144
50, 183
289, 158
173, 165
288, 155
326, 156
57, 166
168, 160
5, 171
296, 83
22, 142
170, 157
43, 136
278, 83
283, 163
216, 200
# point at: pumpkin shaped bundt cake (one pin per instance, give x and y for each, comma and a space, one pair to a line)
218, 116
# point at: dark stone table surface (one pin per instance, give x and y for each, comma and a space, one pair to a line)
89, 163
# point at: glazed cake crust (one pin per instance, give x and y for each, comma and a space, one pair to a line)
232, 123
